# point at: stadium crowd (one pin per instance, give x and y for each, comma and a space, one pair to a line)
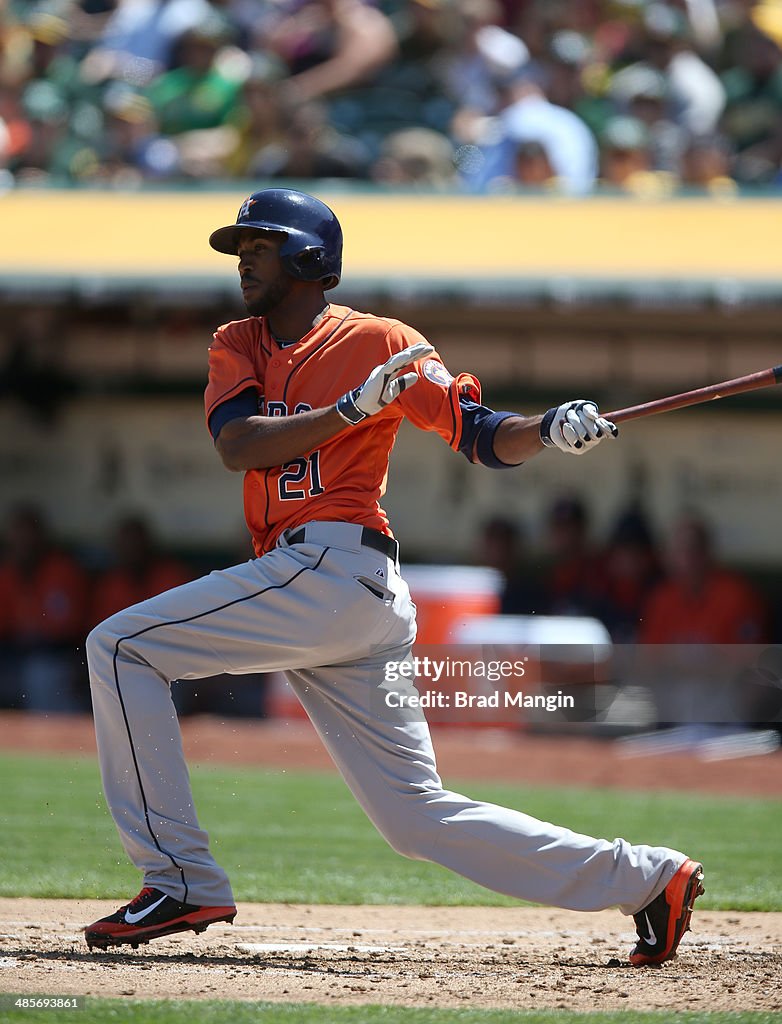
478, 95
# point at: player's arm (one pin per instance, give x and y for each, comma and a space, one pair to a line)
515, 440
245, 440
499, 440
243, 437
507, 439
260, 442
452, 407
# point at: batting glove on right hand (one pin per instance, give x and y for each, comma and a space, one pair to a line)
575, 427
382, 386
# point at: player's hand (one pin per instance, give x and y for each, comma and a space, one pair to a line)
383, 385
575, 427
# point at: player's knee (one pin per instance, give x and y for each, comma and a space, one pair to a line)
103, 638
409, 836
410, 846
95, 643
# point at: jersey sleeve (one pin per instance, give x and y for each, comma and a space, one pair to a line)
231, 368
433, 404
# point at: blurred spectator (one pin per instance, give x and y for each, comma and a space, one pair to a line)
642, 93
501, 547
625, 151
408, 90
689, 617
46, 116
329, 45
705, 166
694, 88
275, 137
50, 56
196, 93
139, 570
532, 167
415, 82
767, 16
312, 148
753, 115
530, 117
704, 19
137, 41
43, 595
485, 57
416, 156
578, 78
425, 30
700, 602
133, 148
568, 54
627, 159
574, 578
259, 121
631, 569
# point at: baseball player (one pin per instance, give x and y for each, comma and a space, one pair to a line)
305, 398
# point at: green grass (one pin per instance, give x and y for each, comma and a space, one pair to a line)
295, 837
98, 1011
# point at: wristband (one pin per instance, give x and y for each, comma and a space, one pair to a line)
347, 408
545, 428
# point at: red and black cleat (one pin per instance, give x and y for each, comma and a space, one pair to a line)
149, 916
662, 923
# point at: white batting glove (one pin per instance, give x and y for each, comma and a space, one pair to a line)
382, 386
575, 427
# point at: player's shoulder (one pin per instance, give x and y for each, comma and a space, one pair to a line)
368, 321
240, 332
386, 329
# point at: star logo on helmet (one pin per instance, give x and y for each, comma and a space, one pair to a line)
244, 209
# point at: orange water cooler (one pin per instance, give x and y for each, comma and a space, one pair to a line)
448, 596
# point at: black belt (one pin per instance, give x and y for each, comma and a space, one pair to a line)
369, 539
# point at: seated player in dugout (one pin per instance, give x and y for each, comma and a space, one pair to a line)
305, 398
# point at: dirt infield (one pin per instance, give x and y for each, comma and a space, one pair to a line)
498, 755
405, 956
408, 956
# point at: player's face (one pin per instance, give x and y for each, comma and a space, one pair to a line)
264, 282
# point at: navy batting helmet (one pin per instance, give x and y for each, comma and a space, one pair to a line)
312, 248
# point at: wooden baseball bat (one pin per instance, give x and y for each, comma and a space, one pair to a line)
752, 381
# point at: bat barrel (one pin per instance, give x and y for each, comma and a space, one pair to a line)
737, 386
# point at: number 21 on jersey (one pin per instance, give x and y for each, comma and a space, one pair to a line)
299, 478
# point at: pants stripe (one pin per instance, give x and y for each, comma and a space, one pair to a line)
180, 622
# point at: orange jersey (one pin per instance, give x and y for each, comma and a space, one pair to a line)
43, 605
727, 611
344, 479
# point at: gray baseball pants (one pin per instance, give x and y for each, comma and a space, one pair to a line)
308, 609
